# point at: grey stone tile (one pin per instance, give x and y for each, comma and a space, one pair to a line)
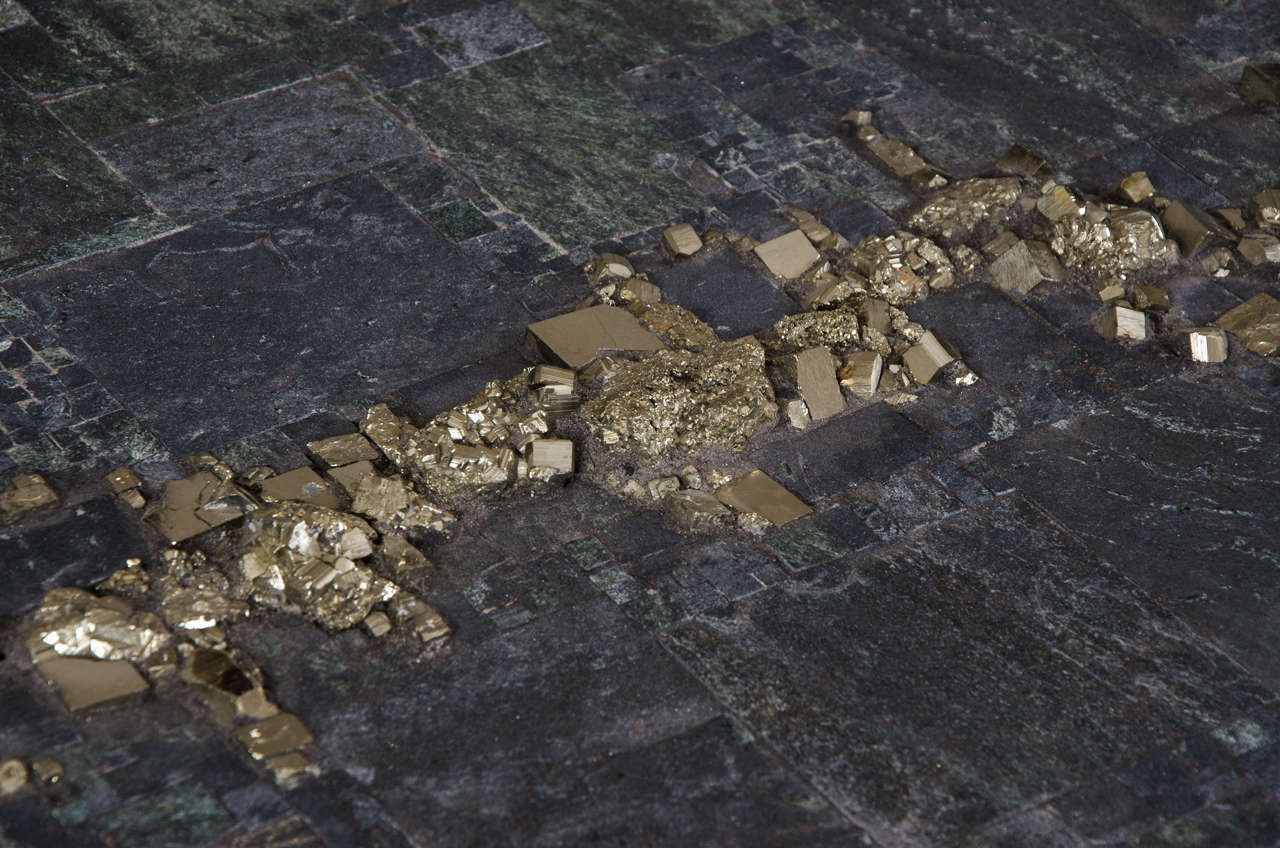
473, 36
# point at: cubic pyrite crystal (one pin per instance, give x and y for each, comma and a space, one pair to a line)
77, 623
965, 204
1127, 239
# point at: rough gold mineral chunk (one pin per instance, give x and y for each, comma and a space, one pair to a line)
1256, 322
759, 493
817, 384
1208, 344
300, 484
343, 450
1021, 161
85, 683
26, 492
682, 240
926, 358
275, 735
788, 255
861, 373
13, 776
576, 338
1025, 265
1136, 187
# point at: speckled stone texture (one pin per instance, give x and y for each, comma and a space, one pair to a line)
1034, 611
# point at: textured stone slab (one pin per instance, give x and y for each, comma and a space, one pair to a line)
249, 305
527, 127
249, 150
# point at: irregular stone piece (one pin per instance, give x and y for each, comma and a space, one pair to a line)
1000, 244
682, 240
797, 413
1190, 227
556, 454
861, 373
26, 492
192, 505
76, 623
1218, 262
1021, 161
1208, 344
674, 324
195, 594
133, 498
1259, 248
1256, 322
122, 480
1231, 216
856, 118
898, 157
13, 776
900, 268
300, 484
1136, 187
215, 670
419, 617
285, 767
47, 770
1261, 82
926, 358
550, 375
816, 382
876, 314
1110, 292
789, 255
1265, 207
343, 450
831, 328
639, 290
1117, 240
349, 476
576, 338
275, 735
694, 510
684, 401
393, 503
1025, 265
376, 624
1123, 322
1150, 297
759, 493
85, 683
614, 265
964, 205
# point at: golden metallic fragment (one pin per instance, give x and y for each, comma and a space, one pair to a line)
1261, 82
816, 382
1232, 217
1208, 344
694, 510
895, 155
423, 620
349, 476
47, 770
195, 594
1190, 227
832, 328
26, 492
861, 373
759, 493
1265, 207
76, 623
85, 683
1123, 239
676, 325
797, 413
682, 240
13, 776
1259, 248
275, 735
1256, 322
789, 255
576, 338
377, 624
1060, 202
122, 480
549, 375
926, 358
681, 401
300, 484
1024, 266
556, 454
1021, 161
1150, 298
343, 450
1136, 187
1001, 243
285, 767
964, 205
192, 505
1123, 322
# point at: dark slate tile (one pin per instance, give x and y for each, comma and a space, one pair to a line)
103, 111
474, 36
722, 290
448, 389
638, 535
1250, 820
1233, 152
1104, 810
734, 568
243, 73
843, 452
1041, 827
243, 152
413, 64
552, 176
248, 305
912, 499
1184, 469
186, 813
1004, 345
59, 200
667, 89
66, 552
27, 820
890, 676
32, 727
856, 220
1170, 179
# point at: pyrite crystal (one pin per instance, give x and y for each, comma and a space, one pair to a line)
1126, 239
77, 623
963, 205
678, 401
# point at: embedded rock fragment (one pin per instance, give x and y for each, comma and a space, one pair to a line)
816, 382
901, 268
1060, 202
275, 735
553, 454
550, 375
1136, 187
295, 553
342, 450
418, 617
1150, 297
26, 492
125, 485
926, 358
610, 265
1265, 207
682, 240
1256, 322
896, 156
1259, 248
76, 623
831, 328
965, 204
1123, 322
194, 594
681, 401
1232, 217
789, 255
285, 767
85, 683
13, 776
377, 625
394, 504
1001, 243
797, 413
759, 493
1261, 82
349, 476
192, 505
639, 290
674, 324
1190, 227
576, 338
1021, 161
1025, 265
694, 510
861, 373
1120, 240
300, 484
1208, 344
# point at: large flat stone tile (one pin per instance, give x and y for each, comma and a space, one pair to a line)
296, 306
243, 152
529, 129
960, 674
